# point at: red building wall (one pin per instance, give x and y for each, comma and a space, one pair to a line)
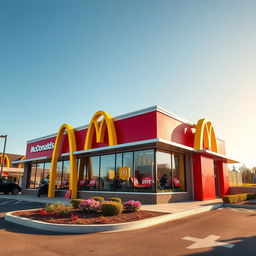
132, 129
174, 130
204, 182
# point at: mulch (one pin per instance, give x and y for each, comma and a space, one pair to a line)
89, 218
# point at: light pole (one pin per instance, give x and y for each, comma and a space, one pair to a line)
2, 164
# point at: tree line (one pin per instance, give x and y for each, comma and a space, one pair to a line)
248, 174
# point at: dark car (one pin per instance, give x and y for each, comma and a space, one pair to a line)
8, 186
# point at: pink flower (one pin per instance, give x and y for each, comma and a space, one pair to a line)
132, 206
89, 205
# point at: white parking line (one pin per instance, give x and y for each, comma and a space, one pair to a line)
6, 202
20, 201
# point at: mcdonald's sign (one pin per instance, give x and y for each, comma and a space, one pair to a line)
6, 160
95, 127
205, 136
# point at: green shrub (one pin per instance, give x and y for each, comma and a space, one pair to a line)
75, 202
115, 199
53, 207
65, 210
98, 198
234, 198
241, 197
111, 208
250, 196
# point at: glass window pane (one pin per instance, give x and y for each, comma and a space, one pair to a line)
83, 174
178, 172
65, 175
39, 174
32, 176
93, 172
164, 172
144, 170
58, 175
107, 172
124, 171
47, 167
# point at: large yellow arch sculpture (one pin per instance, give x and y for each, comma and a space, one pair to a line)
205, 136
100, 129
7, 159
72, 159
20, 165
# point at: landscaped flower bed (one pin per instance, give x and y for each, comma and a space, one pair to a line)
88, 212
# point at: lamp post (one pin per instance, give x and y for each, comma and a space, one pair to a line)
2, 164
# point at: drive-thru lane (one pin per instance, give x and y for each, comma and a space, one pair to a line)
219, 232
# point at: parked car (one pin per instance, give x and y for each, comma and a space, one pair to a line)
7, 186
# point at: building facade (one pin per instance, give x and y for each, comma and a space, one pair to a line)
150, 155
11, 170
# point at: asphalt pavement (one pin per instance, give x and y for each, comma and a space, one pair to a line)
225, 231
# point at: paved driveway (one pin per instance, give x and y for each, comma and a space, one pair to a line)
220, 232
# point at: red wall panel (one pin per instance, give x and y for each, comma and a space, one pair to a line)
173, 130
208, 179
132, 129
223, 178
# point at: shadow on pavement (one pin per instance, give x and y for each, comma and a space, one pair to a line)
243, 246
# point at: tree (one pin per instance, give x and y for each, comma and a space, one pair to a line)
247, 176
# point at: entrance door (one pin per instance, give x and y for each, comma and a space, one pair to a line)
216, 177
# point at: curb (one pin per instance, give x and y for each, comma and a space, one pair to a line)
83, 229
239, 206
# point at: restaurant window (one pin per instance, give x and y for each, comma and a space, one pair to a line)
58, 184
143, 179
39, 174
124, 163
124, 173
47, 167
107, 172
65, 180
178, 172
32, 176
170, 172
92, 168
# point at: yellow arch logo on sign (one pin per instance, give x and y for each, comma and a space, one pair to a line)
106, 123
20, 165
7, 159
205, 136
100, 129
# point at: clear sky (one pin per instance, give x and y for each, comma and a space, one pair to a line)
61, 61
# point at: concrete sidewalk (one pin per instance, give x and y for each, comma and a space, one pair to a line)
168, 208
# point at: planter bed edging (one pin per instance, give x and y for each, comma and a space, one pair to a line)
83, 229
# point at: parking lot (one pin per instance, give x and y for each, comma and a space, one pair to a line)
220, 232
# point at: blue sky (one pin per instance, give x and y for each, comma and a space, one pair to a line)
61, 61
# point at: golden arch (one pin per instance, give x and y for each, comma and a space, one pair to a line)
205, 136
20, 165
7, 159
72, 158
100, 129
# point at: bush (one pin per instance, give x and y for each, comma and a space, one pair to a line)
65, 210
75, 202
115, 199
53, 207
132, 206
98, 198
89, 205
250, 196
234, 198
111, 208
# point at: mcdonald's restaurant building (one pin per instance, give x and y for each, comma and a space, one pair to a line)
150, 155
